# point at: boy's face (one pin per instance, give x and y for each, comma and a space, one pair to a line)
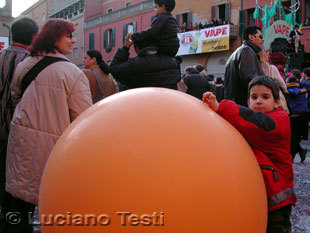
261, 99
159, 9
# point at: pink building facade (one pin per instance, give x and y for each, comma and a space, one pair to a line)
106, 23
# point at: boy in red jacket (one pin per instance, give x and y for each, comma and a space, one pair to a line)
266, 127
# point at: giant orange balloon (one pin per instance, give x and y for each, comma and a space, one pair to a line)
152, 160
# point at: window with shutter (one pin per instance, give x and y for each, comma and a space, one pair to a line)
250, 16
184, 19
108, 39
91, 40
178, 18
227, 11
213, 12
189, 18
242, 21
113, 37
124, 32
307, 13
127, 28
105, 39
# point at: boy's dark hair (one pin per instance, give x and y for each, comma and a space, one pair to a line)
296, 73
251, 30
169, 4
23, 31
292, 80
307, 71
267, 82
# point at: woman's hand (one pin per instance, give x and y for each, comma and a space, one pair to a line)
210, 99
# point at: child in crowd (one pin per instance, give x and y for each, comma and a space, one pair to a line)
164, 30
298, 105
219, 83
296, 73
266, 127
306, 84
306, 74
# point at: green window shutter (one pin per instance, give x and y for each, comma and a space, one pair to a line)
113, 37
213, 12
105, 39
227, 11
242, 21
134, 26
124, 32
178, 18
91, 41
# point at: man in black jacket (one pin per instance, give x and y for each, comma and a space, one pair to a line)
294, 34
23, 31
243, 65
147, 69
196, 83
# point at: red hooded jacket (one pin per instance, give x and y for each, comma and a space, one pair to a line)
269, 136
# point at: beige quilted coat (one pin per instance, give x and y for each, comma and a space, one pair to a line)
51, 102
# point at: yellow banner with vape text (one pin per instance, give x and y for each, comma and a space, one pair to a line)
216, 44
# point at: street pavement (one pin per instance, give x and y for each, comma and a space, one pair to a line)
301, 212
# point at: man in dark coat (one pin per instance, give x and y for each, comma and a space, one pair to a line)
243, 65
22, 32
147, 69
294, 34
196, 83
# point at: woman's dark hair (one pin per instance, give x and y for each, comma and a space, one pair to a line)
267, 82
23, 31
53, 30
96, 54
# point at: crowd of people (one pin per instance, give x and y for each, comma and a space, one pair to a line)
42, 92
201, 25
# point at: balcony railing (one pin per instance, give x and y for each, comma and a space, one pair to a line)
134, 9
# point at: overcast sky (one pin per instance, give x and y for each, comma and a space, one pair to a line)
20, 5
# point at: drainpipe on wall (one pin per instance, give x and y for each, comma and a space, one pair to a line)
9, 28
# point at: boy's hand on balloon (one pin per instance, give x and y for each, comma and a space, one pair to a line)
210, 99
